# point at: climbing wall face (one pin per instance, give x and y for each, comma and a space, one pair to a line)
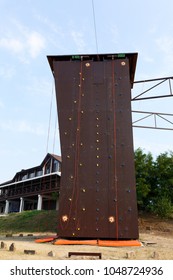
97, 193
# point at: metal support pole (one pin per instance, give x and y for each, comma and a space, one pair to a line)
39, 203
21, 204
6, 207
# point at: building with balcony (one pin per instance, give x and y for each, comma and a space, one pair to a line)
33, 188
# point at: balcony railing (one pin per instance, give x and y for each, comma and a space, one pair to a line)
38, 185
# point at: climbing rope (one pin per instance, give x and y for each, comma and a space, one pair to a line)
50, 115
95, 28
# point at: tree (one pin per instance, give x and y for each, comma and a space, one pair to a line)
154, 182
164, 176
144, 167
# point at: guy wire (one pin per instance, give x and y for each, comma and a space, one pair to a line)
95, 29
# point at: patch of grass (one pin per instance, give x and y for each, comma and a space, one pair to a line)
29, 221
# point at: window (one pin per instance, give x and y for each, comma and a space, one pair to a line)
55, 165
47, 169
39, 172
32, 175
24, 177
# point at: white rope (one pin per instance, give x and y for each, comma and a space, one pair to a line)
95, 29
50, 115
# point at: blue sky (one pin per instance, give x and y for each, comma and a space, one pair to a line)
30, 30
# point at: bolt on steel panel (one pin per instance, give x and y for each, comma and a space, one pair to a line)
97, 192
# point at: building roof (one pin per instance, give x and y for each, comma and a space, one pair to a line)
58, 158
38, 167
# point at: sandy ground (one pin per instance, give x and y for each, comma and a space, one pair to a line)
156, 237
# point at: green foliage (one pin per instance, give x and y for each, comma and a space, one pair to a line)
29, 221
162, 207
54, 195
144, 168
164, 168
154, 182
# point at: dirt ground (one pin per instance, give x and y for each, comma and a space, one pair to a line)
156, 237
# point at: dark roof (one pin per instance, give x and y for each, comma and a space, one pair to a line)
97, 57
23, 171
58, 158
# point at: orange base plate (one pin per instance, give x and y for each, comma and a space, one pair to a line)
104, 243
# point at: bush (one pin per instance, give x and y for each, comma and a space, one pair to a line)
163, 207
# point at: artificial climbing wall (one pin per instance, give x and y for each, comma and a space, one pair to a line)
97, 192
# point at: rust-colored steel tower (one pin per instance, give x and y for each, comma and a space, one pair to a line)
97, 192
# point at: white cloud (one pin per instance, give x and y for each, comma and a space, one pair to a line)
12, 44
39, 86
114, 35
78, 40
53, 27
23, 42
22, 126
165, 44
7, 71
35, 43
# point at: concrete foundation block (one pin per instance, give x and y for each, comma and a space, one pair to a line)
51, 254
12, 247
3, 245
130, 255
